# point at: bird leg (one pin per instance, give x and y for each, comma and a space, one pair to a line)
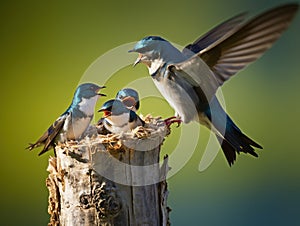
171, 120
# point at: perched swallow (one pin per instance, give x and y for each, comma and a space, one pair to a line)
130, 98
118, 118
76, 119
189, 79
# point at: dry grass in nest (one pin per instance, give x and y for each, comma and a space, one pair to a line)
151, 135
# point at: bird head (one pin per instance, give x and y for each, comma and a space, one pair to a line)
88, 90
113, 107
130, 98
154, 51
149, 49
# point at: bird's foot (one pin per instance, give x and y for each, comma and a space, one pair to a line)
171, 120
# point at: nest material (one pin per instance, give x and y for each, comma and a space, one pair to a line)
77, 157
148, 136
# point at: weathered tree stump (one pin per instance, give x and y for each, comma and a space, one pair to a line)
110, 179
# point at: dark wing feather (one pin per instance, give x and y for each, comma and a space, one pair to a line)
196, 73
49, 136
248, 43
183, 79
134, 117
215, 35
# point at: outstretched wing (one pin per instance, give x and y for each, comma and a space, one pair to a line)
248, 42
49, 136
219, 61
187, 87
195, 72
215, 35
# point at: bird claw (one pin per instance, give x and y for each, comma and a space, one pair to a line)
171, 120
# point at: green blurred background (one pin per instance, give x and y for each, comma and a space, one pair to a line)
46, 46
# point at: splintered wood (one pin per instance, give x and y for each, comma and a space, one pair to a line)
110, 179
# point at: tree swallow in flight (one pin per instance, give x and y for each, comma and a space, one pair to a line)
118, 118
130, 98
189, 79
76, 119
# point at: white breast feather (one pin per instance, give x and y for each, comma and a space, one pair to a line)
119, 123
88, 105
178, 99
74, 130
155, 64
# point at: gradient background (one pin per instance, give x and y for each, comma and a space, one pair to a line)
46, 46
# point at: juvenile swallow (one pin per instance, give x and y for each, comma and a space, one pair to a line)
118, 118
74, 121
189, 79
130, 98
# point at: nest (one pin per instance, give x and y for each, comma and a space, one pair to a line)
142, 138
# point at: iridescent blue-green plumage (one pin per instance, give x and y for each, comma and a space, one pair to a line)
189, 79
118, 118
74, 121
230, 137
130, 98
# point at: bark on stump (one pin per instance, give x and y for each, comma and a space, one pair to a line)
110, 179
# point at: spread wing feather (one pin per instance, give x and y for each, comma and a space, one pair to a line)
48, 138
231, 46
248, 42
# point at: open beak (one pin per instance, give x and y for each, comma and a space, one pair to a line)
105, 113
138, 60
101, 94
129, 102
